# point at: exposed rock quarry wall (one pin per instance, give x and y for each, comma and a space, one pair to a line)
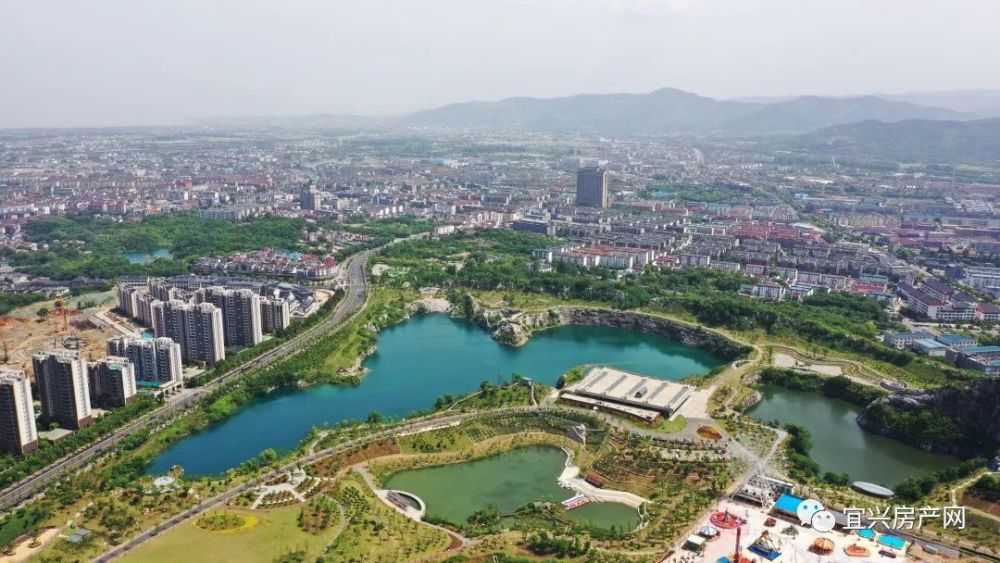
975, 409
515, 327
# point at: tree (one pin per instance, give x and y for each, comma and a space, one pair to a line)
374, 417
42, 312
268, 456
842, 479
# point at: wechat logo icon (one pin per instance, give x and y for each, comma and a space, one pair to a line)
812, 512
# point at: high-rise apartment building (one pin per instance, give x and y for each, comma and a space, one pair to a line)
196, 327
127, 296
275, 315
63, 389
144, 310
241, 314
134, 301
592, 187
111, 382
156, 361
18, 434
164, 291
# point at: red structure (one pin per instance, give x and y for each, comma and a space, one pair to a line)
725, 520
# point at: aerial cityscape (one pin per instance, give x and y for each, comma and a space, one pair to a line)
558, 325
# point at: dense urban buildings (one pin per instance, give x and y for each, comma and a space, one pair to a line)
63, 388
17, 413
706, 226
273, 263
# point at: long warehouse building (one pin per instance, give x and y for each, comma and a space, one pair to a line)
636, 396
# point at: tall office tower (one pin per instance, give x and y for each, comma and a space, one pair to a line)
240, 314
17, 413
61, 376
111, 381
592, 187
155, 361
197, 328
311, 200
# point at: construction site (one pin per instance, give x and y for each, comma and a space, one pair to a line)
66, 323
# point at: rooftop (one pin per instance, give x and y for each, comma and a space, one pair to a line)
981, 350
951, 339
624, 387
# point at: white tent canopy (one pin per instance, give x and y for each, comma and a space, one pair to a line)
696, 540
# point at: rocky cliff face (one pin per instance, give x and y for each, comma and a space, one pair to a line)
511, 333
514, 327
975, 412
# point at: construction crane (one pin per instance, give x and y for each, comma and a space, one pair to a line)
61, 309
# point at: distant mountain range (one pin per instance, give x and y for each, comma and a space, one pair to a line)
669, 110
928, 127
982, 103
911, 141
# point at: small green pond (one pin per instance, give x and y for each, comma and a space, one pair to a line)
507, 481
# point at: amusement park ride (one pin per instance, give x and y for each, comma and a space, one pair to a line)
761, 488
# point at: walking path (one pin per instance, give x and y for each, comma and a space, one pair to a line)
226, 496
570, 479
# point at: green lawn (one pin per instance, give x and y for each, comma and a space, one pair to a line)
675, 424
276, 533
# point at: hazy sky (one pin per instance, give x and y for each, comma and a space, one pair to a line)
133, 62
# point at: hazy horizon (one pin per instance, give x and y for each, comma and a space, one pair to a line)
121, 63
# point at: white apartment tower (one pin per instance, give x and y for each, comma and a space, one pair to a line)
63, 388
17, 413
197, 328
155, 360
241, 314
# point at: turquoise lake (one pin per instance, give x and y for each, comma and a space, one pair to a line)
147, 257
416, 362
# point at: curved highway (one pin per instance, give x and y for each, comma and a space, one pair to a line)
355, 296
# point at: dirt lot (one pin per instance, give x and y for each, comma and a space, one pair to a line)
24, 332
986, 506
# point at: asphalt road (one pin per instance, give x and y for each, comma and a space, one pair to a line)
357, 284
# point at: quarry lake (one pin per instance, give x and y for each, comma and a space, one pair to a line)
416, 362
840, 445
